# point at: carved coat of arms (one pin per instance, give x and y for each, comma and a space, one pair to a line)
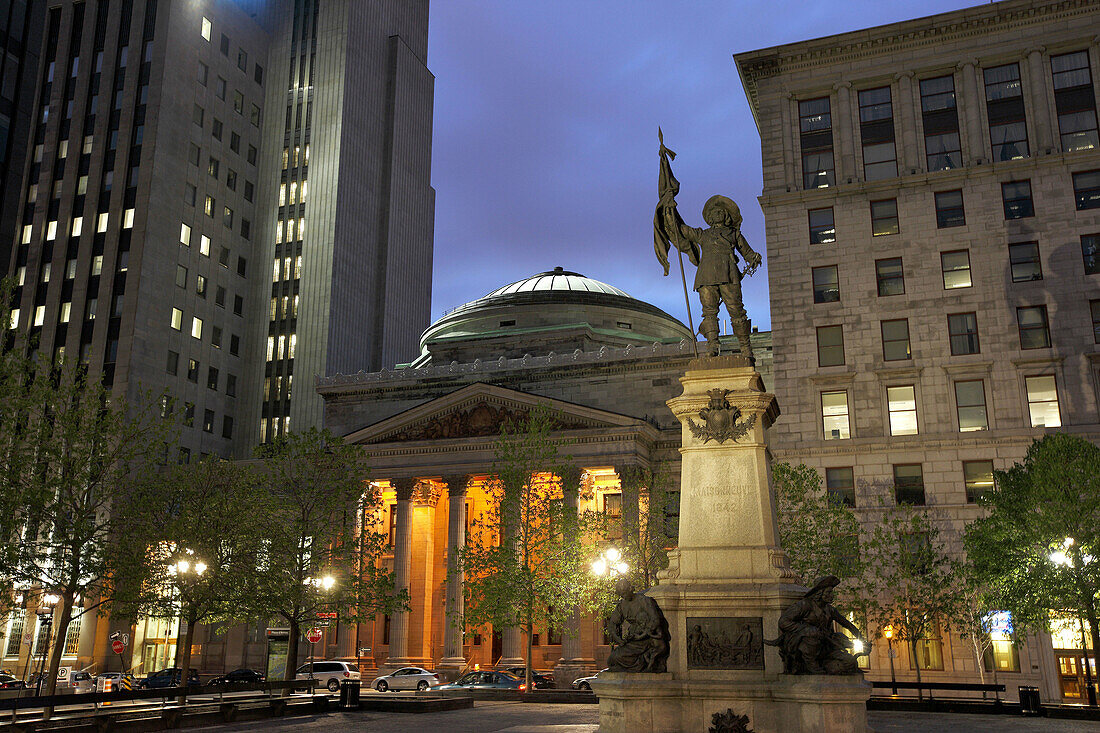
720, 420
730, 722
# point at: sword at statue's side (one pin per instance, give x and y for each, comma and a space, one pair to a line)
666, 225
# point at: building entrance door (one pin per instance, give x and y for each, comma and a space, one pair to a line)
1071, 672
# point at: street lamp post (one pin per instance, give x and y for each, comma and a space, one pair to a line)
1070, 556
190, 570
888, 632
326, 584
45, 616
610, 563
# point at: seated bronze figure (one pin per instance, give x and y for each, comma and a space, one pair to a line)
808, 643
638, 631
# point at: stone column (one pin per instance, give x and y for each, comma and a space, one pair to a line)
402, 570
573, 663
1037, 78
453, 626
968, 104
844, 141
905, 111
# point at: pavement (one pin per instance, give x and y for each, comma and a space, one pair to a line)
514, 717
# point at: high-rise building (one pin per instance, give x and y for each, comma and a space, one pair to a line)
932, 204
21, 21
222, 195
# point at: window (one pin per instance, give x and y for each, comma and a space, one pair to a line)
205, 29
238, 305
1042, 401
225, 45
1005, 106
962, 329
834, 415
254, 116
219, 297
204, 245
198, 114
193, 370
227, 427
840, 485
901, 404
895, 340
1075, 101
909, 484
978, 479
195, 154
1090, 253
826, 284
949, 209
208, 206
173, 364
242, 59
252, 154
190, 194
876, 125
1086, 190
830, 346
258, 74
211, 378
16, 621
219, 88
941, 123
223, 257
970, 405
231, 180
929, 651
72, 638
1034, 327
208, 421
956, 269
816, 138
216, 337
177, 319
884, 217
235, 342
213, 166
1094, 307
196, 327
890, 276
1024, 261
204, 73
181, 276
238, 102
822, 230
1016, 197
200, 286
231, 385
227, 217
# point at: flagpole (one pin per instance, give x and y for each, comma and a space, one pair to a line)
687, 302
676, 237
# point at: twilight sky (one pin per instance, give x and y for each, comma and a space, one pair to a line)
546, 114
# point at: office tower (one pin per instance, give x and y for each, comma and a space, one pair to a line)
932, 203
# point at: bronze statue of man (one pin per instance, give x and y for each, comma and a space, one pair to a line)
713, 250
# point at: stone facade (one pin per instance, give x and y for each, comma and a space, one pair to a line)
971, 51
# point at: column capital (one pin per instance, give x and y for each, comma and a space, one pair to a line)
1036, 49
903, 75
842, 85
404, 487
972, 63
456, 483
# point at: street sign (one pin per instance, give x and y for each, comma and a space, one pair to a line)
63, 674
326, 614
314, 635
323, 623
117, 646
364, 651
116, 635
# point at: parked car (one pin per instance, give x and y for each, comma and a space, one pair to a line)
81, 682
540, 680
11, 682
330, 673
169, 677
585, 683
491, 680
239, 676
406, 678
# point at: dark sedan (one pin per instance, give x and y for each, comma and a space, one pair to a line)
540, 680
239, 677
486, 681
169, 677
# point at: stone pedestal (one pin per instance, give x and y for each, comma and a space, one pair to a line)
727, 583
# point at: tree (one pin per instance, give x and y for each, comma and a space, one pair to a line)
79, 447
913, 580
976, 616
1038, 548
322, 536
188, 545
526, 562
820, 534
650, 534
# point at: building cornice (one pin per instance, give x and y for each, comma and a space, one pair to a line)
893, 39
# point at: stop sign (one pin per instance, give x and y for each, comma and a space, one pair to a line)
117, 646
314, 635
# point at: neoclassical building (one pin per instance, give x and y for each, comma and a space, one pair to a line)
603, 361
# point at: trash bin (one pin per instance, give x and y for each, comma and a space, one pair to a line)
1030, 704
349, 694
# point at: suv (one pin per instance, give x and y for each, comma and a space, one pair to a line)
170, 677
329, 673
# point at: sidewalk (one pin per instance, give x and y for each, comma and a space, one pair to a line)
511, 717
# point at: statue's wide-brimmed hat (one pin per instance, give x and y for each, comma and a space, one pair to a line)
827, 581
724, 203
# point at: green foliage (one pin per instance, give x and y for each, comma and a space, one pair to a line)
321, 517
647, 534
526, 562
1052, 495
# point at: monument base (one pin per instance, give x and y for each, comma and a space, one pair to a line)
657, 703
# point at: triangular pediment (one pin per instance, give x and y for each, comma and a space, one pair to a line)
478, 411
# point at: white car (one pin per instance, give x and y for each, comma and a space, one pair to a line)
406, 678
81, 682
329, 673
